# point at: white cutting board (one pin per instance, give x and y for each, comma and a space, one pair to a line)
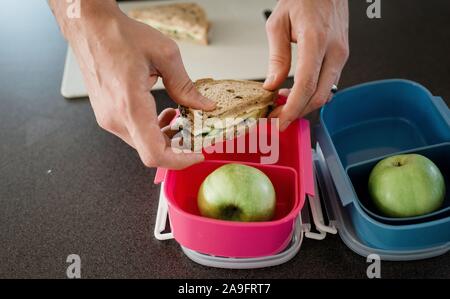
238, 45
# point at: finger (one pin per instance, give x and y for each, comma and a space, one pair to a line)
166, 117
109, 123
329, 75
284, 92
177, 82
336, 83
278, 35
276, 112
168, 131
125, 136
150, 142
157, 151
310, 57
181, 160
327, 79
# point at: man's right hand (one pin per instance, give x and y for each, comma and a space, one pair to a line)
121, 59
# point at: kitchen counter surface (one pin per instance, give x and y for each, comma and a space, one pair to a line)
68, 187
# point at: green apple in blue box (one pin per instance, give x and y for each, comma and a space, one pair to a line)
406, 186
237, 192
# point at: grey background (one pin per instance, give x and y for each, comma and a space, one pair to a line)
99, 201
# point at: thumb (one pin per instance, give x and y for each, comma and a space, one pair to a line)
279, 53
180, 87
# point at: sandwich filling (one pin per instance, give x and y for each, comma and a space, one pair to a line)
217, 126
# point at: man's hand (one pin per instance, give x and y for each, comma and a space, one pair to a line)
320, 29
121, 59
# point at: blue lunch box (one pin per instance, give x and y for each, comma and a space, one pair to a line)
362, 125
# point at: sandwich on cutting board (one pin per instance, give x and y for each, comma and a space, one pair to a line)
181, 21
239, 104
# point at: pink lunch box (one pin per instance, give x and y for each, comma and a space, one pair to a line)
291, 176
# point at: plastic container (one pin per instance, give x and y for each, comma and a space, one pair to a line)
230, 238
340, 217
251, 263
371, 121
359, 176
382, 118
362, 125
291, 175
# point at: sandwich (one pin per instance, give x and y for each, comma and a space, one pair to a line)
181, 21
239, 105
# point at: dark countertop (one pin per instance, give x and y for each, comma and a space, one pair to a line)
68, 187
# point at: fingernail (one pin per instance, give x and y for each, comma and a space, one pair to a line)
284, 92
269, 79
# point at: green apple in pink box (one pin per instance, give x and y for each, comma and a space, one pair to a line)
237, 192
406, 186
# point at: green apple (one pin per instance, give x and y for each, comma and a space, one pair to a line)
237, 192
406, 186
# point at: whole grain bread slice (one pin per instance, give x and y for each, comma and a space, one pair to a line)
233, 97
